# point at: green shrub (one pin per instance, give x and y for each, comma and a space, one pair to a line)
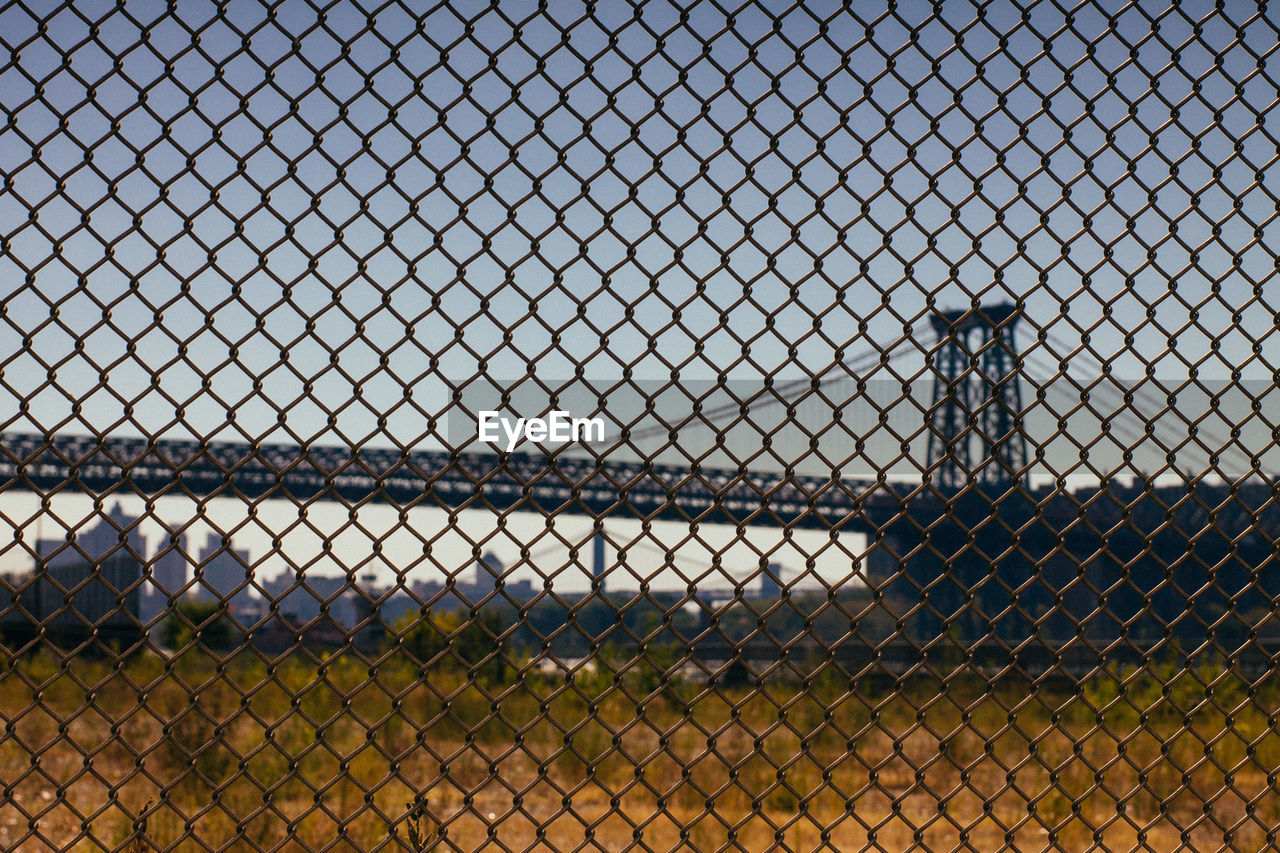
453, 640
202, 622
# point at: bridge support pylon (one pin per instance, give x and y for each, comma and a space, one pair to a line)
956, 553
975, 430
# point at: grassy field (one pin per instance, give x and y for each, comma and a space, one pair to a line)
237, 755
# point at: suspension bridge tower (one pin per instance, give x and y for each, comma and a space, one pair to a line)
953, 553
975, 434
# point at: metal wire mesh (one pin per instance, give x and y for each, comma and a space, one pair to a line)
932, 351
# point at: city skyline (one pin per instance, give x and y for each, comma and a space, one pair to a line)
269, 566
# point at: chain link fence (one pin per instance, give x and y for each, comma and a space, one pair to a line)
638, 426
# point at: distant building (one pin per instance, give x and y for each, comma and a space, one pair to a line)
399, 605
77, 599
300, 597
115, 534
598, 567
365, 612
224, 574
426, 590
170, 568
333, 610
771, 581
488, 570
87, 586
521, 590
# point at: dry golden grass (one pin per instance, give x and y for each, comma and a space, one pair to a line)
300, 756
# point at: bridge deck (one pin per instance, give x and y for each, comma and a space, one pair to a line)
451, 481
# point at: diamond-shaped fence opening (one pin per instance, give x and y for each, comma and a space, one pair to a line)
651, 426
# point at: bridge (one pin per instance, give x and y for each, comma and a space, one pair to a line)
601, 487
971, 550
547, 484
971, 424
